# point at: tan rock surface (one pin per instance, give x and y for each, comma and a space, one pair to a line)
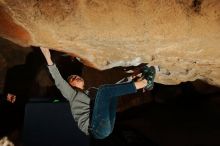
181, 37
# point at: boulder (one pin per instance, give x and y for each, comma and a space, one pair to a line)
180, 37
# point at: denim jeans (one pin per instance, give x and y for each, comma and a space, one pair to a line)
105, 106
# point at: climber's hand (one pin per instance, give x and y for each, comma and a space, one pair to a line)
47, 55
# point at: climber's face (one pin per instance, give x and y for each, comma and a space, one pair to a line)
76, 81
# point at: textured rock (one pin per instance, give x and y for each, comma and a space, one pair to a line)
181, 37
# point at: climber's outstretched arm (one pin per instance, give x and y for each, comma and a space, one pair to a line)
46, 53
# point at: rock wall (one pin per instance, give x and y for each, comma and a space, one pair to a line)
180, 37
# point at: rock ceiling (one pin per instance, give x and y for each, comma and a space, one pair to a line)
180, 37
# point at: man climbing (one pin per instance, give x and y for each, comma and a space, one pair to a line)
98, 118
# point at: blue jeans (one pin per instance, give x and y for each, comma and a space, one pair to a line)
105, 106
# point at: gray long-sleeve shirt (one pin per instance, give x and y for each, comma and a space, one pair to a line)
79, 101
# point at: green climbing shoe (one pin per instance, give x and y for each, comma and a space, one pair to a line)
149, 75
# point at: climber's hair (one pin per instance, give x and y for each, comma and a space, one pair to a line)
71, 77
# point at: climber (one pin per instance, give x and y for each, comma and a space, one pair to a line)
96, 117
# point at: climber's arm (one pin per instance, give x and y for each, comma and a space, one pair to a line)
47, 55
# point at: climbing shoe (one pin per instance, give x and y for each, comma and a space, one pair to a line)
149, 74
